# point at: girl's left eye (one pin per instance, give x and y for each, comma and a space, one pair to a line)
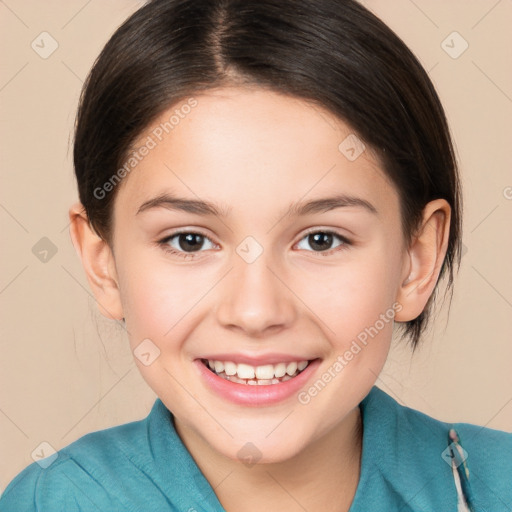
321, 239
186, 243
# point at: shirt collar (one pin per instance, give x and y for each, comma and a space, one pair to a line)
401, 462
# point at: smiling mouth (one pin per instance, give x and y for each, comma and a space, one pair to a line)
256, 375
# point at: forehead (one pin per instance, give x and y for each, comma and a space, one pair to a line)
253, 147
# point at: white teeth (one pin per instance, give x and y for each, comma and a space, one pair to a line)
257, 375
291, 368
265, 372
280, 369
302, 365
230, 368
244, 371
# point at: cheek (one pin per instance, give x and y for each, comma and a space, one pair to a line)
352, 296
159, 299
355, 303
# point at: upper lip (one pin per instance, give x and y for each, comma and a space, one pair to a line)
257, 360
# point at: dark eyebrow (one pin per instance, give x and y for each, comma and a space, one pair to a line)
197, 206
200, 207
326, 204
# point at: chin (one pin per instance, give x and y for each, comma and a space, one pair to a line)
262, 451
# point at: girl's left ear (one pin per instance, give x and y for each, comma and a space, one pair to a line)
424, 259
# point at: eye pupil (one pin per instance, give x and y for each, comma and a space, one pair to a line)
192, 240
320, 240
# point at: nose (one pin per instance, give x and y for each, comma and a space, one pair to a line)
255, 298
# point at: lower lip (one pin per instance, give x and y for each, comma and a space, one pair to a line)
256, 395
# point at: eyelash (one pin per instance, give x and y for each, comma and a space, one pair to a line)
164, 243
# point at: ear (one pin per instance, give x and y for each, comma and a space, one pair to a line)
424, 259
98, 262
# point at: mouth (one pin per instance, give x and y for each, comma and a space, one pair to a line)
263, 375
256, 382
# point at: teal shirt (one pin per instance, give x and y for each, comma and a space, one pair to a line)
144, 466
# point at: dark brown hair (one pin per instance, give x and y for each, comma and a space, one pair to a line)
334, 53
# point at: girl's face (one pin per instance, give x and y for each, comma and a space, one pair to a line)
291, 251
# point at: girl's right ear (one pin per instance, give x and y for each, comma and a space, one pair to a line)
98, 262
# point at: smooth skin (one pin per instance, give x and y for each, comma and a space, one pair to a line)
253, 153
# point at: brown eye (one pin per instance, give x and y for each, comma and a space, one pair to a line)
322, 241
185, 243
190, 241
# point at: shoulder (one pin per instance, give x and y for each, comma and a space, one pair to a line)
403, 419
418, 447
488, 455
487, 449
80, 476
142, 465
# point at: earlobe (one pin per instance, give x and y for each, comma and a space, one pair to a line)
98, 262
424, 260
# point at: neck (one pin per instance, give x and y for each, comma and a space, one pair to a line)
323, 477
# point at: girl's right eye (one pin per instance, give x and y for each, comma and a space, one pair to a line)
181, 242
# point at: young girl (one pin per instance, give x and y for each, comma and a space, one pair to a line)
267, 188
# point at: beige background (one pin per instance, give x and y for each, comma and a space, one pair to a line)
66, 371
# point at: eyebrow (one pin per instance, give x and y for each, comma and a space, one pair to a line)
298, 208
